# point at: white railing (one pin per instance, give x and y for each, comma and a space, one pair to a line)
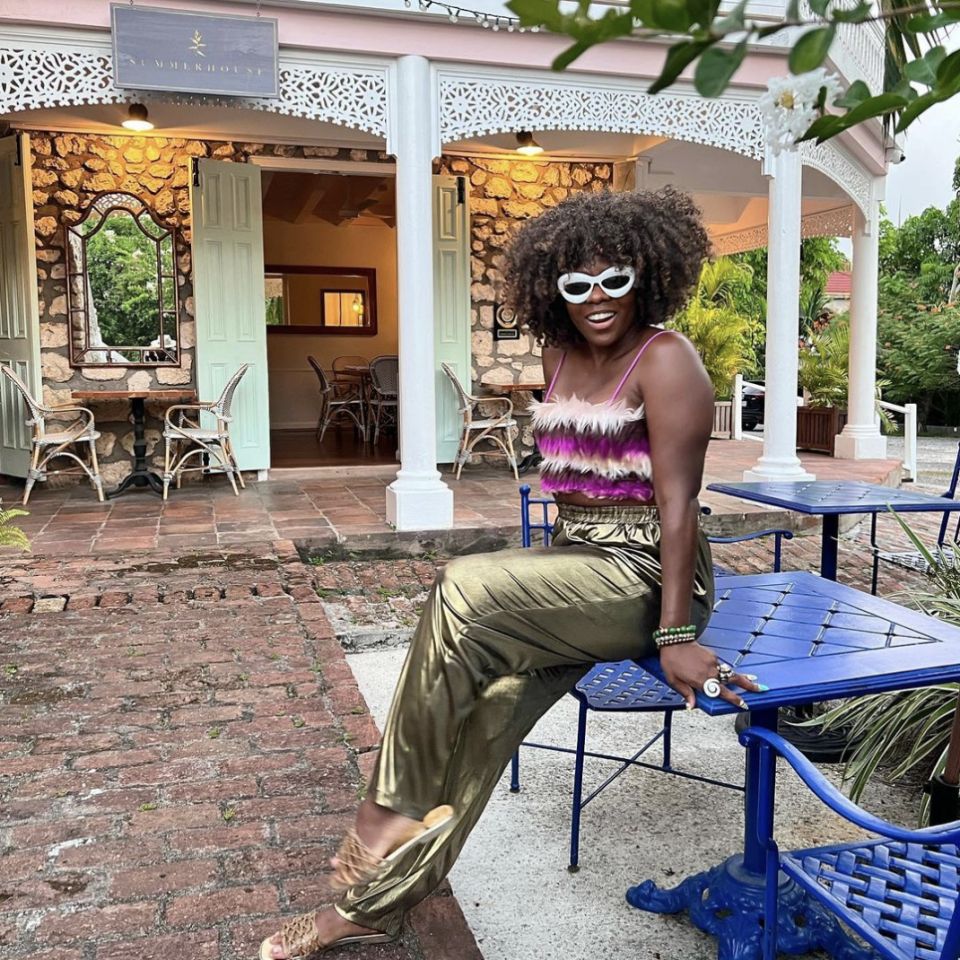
909, 411
728, 414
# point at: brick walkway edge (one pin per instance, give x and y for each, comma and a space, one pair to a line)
181, 746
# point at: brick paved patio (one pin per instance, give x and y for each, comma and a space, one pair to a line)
181, 745
298, 506
181, 740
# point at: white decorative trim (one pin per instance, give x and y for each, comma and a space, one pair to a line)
837, 222
832, 160
471, 104
829, 223
35, 74
753, 238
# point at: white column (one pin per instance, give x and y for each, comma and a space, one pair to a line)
779, 460
418, 499
861, 438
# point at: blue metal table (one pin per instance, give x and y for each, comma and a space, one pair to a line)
831, 499
809, 639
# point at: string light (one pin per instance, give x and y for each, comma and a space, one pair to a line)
488, 21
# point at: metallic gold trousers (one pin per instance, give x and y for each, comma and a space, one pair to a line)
503, 637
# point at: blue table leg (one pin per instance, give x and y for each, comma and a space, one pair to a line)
828, 548
727, 900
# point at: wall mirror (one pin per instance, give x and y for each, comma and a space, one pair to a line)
331, 301
122, 286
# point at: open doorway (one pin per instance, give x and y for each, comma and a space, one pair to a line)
330, 285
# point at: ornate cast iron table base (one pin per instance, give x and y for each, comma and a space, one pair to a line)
727, 901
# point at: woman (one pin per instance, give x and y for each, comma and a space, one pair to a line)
623, 429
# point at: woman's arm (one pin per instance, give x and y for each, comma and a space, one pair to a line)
678, 397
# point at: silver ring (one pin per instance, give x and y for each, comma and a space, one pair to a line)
724, 672
711, 688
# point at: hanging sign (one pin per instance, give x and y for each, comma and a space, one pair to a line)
205, 53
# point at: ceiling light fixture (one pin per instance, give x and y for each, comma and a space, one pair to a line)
137, 119
527, 145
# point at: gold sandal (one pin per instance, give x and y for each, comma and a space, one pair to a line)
357, 865
299, 938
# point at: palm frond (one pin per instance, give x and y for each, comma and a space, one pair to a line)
11, 536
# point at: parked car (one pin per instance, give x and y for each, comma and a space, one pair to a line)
751, 407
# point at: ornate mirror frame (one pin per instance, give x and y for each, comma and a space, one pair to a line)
82, 352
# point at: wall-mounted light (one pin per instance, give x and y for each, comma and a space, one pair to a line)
527, 145
137, 119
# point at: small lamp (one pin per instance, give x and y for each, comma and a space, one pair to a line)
137, 119
527, 145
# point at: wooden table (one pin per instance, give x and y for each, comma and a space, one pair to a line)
141, 476
366, 384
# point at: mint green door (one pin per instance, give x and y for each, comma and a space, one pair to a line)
451, 263
19, 318
228, 290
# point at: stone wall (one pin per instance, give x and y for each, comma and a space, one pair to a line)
503, 194
69, 170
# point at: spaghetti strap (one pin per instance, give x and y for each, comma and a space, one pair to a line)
556, 374
636, 360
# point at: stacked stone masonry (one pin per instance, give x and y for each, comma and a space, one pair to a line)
69, 171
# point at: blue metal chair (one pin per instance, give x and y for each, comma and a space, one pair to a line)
622, 687
898, 893
913, 559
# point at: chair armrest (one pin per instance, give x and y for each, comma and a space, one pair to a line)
199, 405
53, 412
833, 798
505, 402
786, 534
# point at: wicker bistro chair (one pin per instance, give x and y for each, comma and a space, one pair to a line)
913, 559
340, 364
622, 687
182, 428
341, 398
384, 393
898, 893
497, 428
68, 434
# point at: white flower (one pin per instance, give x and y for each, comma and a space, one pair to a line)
789, 105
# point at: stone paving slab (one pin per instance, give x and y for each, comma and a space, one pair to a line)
182, 745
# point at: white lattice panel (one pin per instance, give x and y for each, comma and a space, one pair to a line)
356, 95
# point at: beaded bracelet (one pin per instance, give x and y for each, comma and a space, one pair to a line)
667, 636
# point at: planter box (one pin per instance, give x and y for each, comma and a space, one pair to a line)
817, 428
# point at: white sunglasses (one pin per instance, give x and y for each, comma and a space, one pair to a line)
615, 282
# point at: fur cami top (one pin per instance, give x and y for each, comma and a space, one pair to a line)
600, 450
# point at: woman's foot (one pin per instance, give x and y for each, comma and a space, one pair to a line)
379, 828
330, 927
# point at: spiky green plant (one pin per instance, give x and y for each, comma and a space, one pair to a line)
906, 732
11, 536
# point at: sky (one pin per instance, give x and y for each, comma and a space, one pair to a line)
931, 147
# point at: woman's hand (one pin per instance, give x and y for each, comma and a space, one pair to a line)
687, 666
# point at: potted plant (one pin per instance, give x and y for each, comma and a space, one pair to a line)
824, 364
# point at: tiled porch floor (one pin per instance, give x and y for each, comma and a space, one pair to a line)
303, 506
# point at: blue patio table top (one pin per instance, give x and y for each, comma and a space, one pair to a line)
833, 498
809, 640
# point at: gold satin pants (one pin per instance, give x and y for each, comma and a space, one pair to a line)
503, 636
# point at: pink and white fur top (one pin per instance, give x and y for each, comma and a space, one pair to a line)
598, 449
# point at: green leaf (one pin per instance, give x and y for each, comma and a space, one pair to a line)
925, 69
919, 106
905, 89
823, 128
874, 107
563, 60
793, 11
538, 13
856, 93
734, 21
856, 14
811, 49
679, 57
931, 23
716, 68
673, 15
819, 7
949, 72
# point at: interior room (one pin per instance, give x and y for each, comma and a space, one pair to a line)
330, 283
